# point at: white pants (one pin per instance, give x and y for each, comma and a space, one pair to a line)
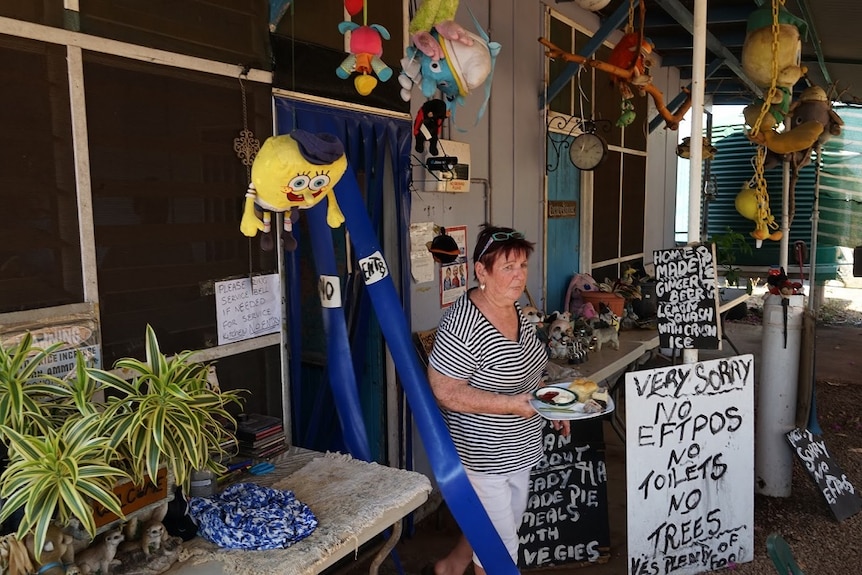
504, 497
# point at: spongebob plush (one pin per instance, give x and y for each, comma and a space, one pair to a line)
295, 170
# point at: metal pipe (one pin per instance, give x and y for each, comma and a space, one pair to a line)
784, 243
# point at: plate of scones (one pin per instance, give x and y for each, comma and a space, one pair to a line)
578, 399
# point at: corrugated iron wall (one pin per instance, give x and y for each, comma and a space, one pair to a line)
841, 184
840, 195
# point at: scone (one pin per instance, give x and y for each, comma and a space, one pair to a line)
583, 388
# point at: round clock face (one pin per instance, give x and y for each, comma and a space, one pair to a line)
587, 151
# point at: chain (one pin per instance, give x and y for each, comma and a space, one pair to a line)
630, 27
764, 214
246, 145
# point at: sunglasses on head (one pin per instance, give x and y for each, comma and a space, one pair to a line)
500, 237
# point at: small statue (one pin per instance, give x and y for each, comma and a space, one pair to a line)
153, 537
99, 557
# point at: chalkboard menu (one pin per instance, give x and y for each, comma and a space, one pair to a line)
830, 479
690, 466
687, 298
566, 521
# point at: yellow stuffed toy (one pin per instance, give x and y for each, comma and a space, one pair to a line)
771, 58
295, 170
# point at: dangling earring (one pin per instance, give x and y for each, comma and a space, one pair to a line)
482, 287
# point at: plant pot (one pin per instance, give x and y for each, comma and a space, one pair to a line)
133, 498
614, 301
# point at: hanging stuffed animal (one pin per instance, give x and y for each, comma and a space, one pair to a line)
428, 123
813, 105
295, 170
771, 59
447, 59
366, 48
438, 15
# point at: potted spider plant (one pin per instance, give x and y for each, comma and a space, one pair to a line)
67, 452
166, 413
58, 454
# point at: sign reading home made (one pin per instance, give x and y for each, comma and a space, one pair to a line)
687, 298
690, 467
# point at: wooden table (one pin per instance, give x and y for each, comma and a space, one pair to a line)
354, 502
606, 366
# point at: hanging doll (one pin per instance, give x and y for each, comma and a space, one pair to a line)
428, 123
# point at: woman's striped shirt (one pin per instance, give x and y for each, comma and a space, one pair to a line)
468, 347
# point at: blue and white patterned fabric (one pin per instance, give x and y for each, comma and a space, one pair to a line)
248, 516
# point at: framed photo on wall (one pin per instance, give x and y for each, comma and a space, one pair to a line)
454, 277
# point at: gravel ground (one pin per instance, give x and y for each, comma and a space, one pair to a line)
820, 544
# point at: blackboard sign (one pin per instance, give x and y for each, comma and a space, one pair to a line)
826, 473
687, 298
690, 466
566, 521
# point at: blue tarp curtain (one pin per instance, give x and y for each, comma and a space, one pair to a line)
370, 141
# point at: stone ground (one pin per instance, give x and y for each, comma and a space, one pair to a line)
820, 544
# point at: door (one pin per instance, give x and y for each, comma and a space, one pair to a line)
562, 221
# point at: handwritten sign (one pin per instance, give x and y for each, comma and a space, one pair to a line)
687, 298
690, 466
247, 307
830, 479
566, 520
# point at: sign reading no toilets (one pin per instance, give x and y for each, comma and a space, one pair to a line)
690, 467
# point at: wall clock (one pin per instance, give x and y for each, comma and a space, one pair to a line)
588, 150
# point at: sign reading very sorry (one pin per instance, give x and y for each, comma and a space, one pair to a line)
566, 520
687, 298
247, 307
830, 479
690, 466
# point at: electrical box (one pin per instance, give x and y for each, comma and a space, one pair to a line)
452, 175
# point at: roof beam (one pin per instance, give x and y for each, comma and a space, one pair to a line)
681, 97
686, 20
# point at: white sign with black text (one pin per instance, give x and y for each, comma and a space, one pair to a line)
247, 307
690, 467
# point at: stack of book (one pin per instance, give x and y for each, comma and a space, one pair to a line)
260, 436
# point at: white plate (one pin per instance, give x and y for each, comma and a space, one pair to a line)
568, 412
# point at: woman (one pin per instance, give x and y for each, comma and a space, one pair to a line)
485, 364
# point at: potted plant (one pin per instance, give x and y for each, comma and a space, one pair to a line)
166, 413
66, 452
728, 246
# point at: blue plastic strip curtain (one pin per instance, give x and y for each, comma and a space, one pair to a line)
447, 468
451, 478
369, 140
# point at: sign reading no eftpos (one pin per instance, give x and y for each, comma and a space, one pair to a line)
690, 467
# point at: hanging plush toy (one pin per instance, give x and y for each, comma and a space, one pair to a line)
295, 170
771, 59
428, 123
438, 15
627, 65
366, 48
447, 59
813, 105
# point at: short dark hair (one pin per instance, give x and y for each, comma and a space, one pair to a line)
490, 246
